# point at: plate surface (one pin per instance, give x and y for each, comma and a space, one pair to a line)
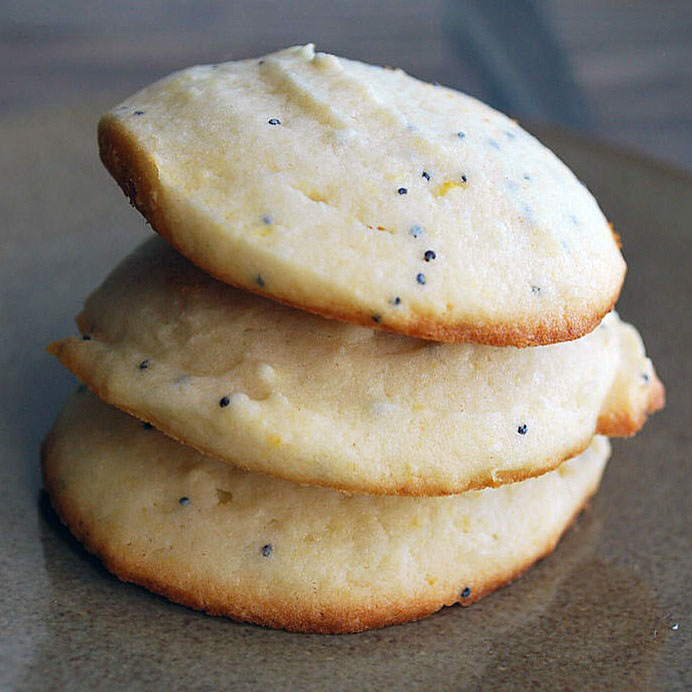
610, 607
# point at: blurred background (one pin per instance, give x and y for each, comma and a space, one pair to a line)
620, 70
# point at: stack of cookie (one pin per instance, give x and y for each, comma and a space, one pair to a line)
375, 374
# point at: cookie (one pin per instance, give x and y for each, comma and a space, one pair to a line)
262, 550
363, 194
321, 402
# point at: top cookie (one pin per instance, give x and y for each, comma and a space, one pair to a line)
361, 193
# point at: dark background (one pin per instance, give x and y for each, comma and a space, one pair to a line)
617, 69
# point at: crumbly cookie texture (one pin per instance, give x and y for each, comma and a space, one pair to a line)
262, 550
322, 402
361, 193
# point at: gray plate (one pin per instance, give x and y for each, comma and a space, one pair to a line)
611, 606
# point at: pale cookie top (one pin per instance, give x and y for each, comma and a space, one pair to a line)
364, 194
309, 559
322, 402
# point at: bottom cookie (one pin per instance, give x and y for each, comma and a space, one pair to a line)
271, 552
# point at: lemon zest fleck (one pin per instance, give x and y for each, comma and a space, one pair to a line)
447, 186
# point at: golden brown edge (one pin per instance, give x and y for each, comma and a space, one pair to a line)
609, 423
241, 608
137, 175
626, 422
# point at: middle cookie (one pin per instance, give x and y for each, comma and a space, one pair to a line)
317, 401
